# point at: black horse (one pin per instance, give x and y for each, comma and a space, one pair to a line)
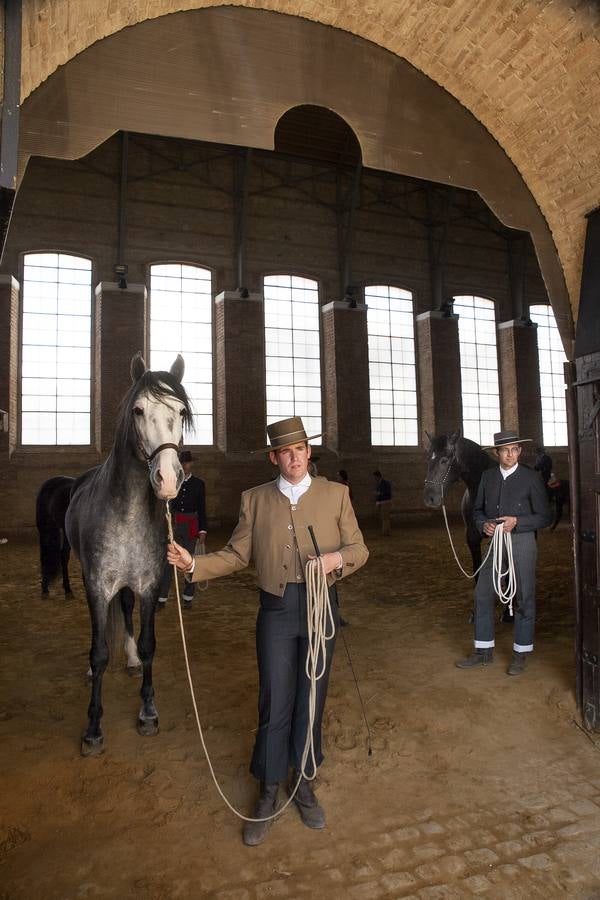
50, 510
452, 458
558, 494
116, 524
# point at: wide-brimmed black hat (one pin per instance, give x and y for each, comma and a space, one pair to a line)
285, 433
186, 456
501, 438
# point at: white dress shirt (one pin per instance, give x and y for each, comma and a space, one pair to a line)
507, 472
293, 491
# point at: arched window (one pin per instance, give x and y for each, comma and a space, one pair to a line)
292, 350
478, 367
181, 322
552, 382
56, 349
392, 378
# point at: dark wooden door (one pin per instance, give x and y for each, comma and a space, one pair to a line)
587, 536
584, 447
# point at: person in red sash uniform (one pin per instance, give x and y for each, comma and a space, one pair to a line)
188, 510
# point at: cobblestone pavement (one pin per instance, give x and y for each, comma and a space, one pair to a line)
546, 846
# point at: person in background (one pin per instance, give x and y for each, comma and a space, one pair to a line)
383, 502
188, 510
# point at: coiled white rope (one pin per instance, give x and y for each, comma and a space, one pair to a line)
500, 544
504, 580
318, 614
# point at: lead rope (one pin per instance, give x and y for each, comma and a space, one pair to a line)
319, 612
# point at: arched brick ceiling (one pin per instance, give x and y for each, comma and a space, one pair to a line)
529, 70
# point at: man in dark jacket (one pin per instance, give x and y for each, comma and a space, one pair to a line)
383, 502
189, 525
514, 497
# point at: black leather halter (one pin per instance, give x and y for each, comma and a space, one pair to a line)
150, 456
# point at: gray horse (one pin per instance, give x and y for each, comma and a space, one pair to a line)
116, 525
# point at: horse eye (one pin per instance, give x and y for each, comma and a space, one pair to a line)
138, 411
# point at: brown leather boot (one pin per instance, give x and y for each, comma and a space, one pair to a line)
254, 833
311, 811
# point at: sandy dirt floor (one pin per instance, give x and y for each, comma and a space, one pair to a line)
478, 783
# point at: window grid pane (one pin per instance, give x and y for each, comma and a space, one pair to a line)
293, 350
478, 367
392, 378
56, 349
181, 322
551, 358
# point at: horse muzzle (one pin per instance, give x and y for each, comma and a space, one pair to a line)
166, 474
432, 496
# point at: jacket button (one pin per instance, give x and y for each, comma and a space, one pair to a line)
281, 584
290, 527
294, 508
288, 546
284, 566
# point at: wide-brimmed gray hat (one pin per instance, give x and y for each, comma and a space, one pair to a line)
501, 438
285, 433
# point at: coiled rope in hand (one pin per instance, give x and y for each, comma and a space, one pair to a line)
319, 616
500, 545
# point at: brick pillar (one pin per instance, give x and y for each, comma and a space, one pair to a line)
346, 368
120, 333
439, 372
521, 405
9, 356
241, 420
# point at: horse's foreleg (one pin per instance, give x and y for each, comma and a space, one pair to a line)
92, 743
148, 717
65, 555
134, 665
558, 508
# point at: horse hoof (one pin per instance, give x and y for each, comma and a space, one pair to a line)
92, 746
147, 727
134, 671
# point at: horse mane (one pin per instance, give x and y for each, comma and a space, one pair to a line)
159, 385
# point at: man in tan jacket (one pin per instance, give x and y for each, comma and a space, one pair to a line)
273, 532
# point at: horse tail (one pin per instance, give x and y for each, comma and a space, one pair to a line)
49, 533
115, 632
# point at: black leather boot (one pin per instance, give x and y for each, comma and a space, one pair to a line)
518, 663
254, 833
311, 811
479, 657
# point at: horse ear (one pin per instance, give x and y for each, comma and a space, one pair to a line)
452, 439
178, 368
138, 367
429, 437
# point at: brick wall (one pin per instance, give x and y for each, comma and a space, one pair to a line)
527, 71
181, 214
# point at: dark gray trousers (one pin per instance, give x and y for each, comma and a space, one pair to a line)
281, 647
525, 558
